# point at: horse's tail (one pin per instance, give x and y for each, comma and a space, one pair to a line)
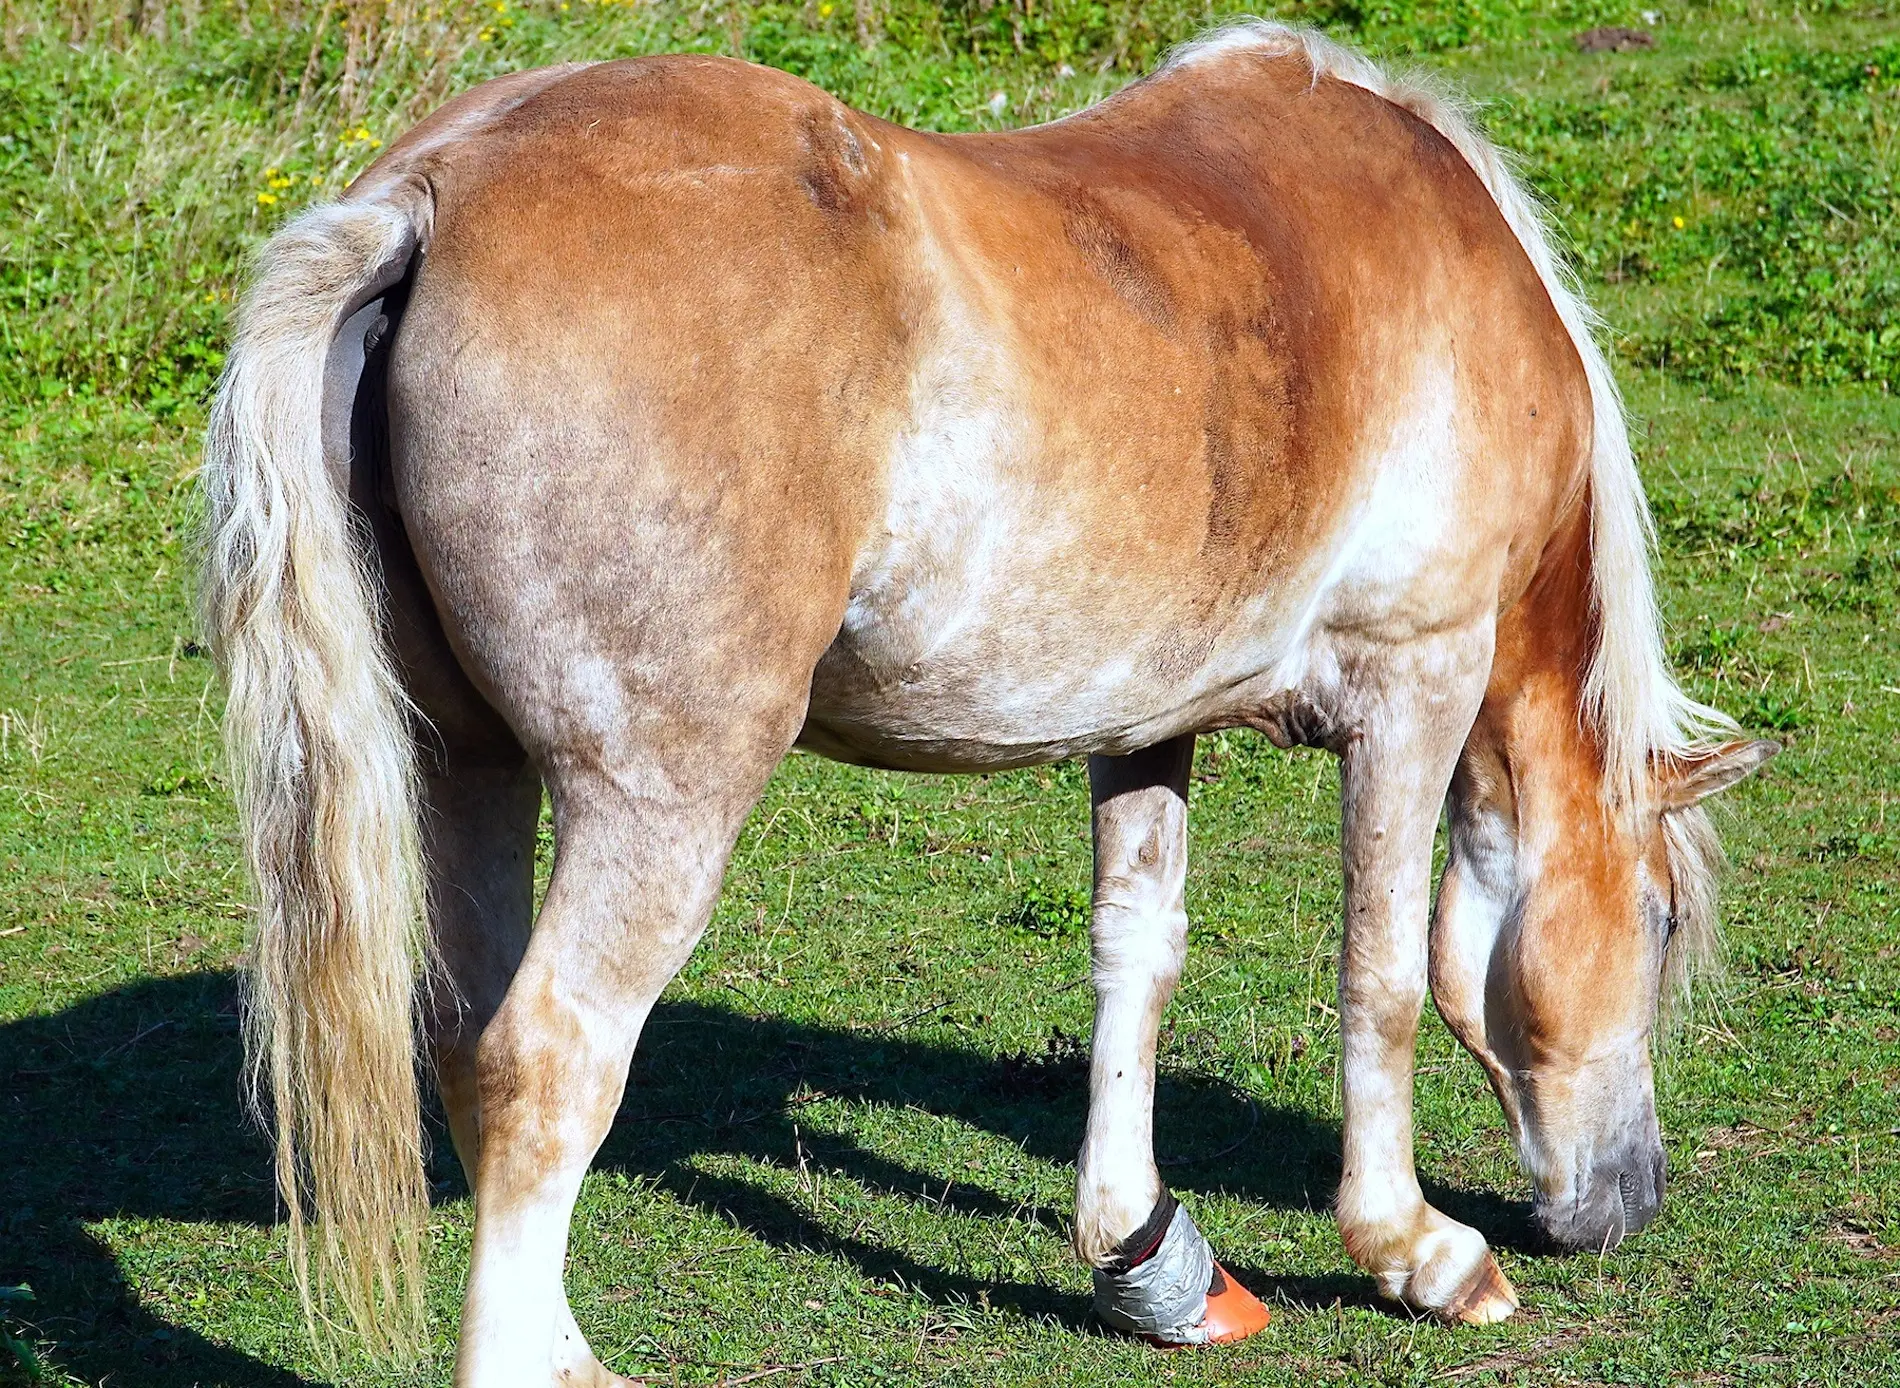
320, 744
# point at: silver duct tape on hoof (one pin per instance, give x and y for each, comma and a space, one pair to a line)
1165, 1295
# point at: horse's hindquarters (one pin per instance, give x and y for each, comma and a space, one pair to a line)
634, 467
633, 578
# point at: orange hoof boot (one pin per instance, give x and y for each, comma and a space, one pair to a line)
1233, 1312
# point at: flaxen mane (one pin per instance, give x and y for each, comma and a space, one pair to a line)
1641, 715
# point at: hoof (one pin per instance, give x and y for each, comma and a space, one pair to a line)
1485, 1297
1233, 1312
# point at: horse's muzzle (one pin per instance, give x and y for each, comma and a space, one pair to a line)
1615, 1198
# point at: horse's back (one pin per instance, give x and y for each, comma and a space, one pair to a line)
1230, 366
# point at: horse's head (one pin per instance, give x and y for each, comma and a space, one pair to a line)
1561, 929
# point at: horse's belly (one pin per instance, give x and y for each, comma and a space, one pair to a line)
1034, 680
1059, 570
954, 715
996, 627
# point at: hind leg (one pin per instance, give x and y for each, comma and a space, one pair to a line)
483, 803
643, 598
533, 1042
637, 871
481, 808
654, 748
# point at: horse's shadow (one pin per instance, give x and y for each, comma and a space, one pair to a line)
127, 1106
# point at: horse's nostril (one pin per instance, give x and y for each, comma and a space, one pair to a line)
1639, 1200
1613, 1201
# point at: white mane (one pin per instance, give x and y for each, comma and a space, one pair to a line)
1639, 711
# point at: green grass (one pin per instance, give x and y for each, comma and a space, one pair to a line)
847, 1143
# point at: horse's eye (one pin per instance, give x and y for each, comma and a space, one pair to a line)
1662, 913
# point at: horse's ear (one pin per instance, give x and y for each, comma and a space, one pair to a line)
1685, 781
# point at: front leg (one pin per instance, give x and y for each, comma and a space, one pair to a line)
1394, 775
1154, 1273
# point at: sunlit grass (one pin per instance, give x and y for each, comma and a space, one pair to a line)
847, 1143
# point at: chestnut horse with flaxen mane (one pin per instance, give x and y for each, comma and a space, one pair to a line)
627, 425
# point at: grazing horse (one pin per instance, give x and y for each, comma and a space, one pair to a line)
627, 425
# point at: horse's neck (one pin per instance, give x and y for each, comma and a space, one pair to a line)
1533, 755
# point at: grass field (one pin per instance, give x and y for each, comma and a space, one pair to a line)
846, 1152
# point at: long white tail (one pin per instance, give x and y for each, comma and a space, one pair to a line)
318, 733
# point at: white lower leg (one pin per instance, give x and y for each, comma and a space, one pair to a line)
551, 1077
1154, 1273
516, 1302
573, 1361
1152, 1267
1138, 938
523, 1326
1418, 1255
1137, 960
1389, 1229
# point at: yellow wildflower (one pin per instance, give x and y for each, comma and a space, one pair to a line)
266, 199
1680, 224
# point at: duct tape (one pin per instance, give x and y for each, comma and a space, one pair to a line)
1164, 1296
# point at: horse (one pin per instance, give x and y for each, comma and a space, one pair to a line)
627, 425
